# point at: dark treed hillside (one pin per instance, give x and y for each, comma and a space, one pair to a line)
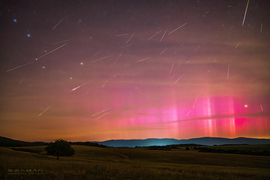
7, 142
89, 144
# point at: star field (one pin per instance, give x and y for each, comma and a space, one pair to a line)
99, 70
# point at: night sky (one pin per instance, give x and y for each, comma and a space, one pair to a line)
122, 69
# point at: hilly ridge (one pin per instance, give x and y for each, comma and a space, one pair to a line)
7, 142
209, 141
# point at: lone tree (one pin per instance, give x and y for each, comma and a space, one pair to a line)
60, 148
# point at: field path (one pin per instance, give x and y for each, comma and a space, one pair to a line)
123, 155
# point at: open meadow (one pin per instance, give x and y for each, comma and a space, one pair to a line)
131, 163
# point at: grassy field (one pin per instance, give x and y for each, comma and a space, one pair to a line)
244, 147
132, 163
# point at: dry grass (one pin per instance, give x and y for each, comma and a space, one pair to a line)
134, 163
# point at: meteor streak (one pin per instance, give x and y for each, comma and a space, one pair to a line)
163, 51
261, 107
228, 72
179, 63
245, 13
103, 115
130, 37
44, 110
57, 24
143, 59
121, 34
20, 66
177, 28
118, 57
128, 45
51, 51
188, 113
178, 79
80, 85
99, 59
98, 52
62, 41
173, 75
106, 81
196, 99
163, 35
22, 80
196, 48
237, 45
171, 68
101, 111
154, 35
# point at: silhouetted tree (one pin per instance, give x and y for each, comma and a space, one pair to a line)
60, 148
187, 148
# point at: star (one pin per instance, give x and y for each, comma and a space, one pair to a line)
28, 35
15, 20
81, 63
70, 78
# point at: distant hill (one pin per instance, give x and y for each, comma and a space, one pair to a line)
209, 141
7, 142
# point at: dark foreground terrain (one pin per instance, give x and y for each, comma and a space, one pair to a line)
133, 163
